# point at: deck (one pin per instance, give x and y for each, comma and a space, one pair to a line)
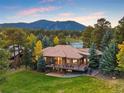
66, 67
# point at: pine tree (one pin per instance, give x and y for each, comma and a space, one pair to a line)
93, 59
41, 65
119, 31
46, 42
99, 29
86, 36
27, 57
40, 36
106, 40
108, 62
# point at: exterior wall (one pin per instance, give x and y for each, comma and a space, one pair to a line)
16, 62
66, 64
65, 61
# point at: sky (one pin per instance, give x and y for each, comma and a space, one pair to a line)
83, 11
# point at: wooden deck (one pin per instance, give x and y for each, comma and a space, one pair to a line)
66, 67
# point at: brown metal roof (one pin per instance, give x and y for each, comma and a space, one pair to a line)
85, 51
67, 51
62, 51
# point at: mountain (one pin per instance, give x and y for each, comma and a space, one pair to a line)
48, 25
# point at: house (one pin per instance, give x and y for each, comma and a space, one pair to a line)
77, 44
66, 57
16, 54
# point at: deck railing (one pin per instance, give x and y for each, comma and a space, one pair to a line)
69, 67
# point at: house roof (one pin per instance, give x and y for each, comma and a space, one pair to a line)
85, 51
62, 51
16, 47
67, 51
15, 50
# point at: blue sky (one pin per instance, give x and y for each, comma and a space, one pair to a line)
83, 11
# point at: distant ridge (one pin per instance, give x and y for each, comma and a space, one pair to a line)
48, 25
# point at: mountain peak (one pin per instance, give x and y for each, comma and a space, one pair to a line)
48, 25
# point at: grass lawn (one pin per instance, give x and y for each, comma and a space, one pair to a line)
34, 82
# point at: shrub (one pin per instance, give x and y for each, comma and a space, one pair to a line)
41, 65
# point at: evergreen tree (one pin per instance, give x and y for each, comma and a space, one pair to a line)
93, 59
119, 31
100, 28
41, 65
108, 62
46, 42
40, 36
27, 58
106, 40
86, 36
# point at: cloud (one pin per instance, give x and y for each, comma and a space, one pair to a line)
32, 11
31, 14
86, 19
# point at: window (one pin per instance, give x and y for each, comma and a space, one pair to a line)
74, 61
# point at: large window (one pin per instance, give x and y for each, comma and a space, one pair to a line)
58, 60
74, 61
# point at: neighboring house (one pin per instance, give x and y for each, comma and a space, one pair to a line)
66, 57
77, 44
16, 54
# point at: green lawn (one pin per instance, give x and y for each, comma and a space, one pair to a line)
34, 82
